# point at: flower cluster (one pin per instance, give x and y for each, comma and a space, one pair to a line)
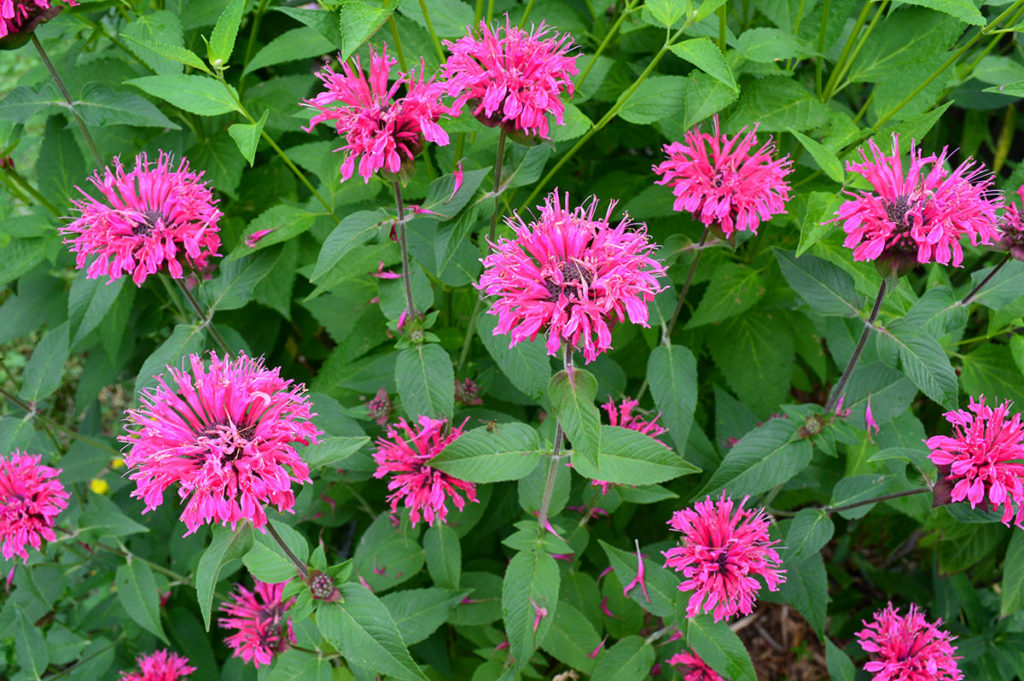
152, 214
404, 452
22, 16
258, 618
726, 182
31, 497
918, 215
908, 647
720, 554
511, 77
225, 435
983, 458
572, 275
159, 666
382, 130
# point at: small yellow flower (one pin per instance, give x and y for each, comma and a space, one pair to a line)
116, 463
99, 486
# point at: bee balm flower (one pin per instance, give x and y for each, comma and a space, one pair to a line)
622, 415
159, 666
259, 620
225, 436
22, 16
908, 648
31, 497
695, 668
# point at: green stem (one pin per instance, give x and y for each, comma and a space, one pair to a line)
67, 98
478, 13
821, 47
723, 26
469, 334
299, 565
205, 318
257, 18
526, 13
885, 497
430, 28
410, 306
837, 392
604, 43
860, 44
25, 186
981, 284
686, 286
295, 171
549, 481
498, 160
32, 413
398, 42
834, 76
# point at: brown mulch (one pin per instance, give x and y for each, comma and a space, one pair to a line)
782, 645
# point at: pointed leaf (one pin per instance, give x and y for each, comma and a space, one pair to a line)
247, 136
426, 381
444, 555
200, 95
506, 451
573, 399
136, 590
628, 457
630, 659
925, 363
706, 56
826, 288
525, 364
44, 371
226, 546
767, 456
225, 32
722, 649
826, 159
531, 581
672, 375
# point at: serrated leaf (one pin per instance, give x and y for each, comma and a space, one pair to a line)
988, 371
88, 303
360, 19
664, 13
806, 589
766, 45
662, 585
44, 371
298, 43
964, 10
628, 457
732, 291
29, 646
572, 396
247, 136
184, 340
101, 106
443, 553
1003, 288
1012, 586
531, 581
654, 99
809, 531
525, 364
331, 451
828, 289
226, 546
630, 659
762, 339
355, 229
926, 365
825, 158
136, 590
821, 206
672, 375
857, 488
904, 39
571, 638
705, 96
172, 52
225, 31
235, 281
200, 95
506, 451
840, 666
108, 524
705, 55
426, 381
419, 612
777, 103
767, 456
720, 648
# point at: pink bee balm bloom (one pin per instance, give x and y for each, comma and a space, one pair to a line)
720, 554
382, 130
225, 435
159, 666
908, 648
696, 668
918, 215
1011, 227
983, 457
405, 453
151, 215
511, 77
570, 275
725, 181
621, 415
22, 16
31, 497
258, 618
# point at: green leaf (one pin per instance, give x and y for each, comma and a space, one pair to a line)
828, 289
809, 531
61, 166
184, 340
766, 45
355, 229
226, 546
806, 589
426, 381
630, 659
44, 371
704, 96
777, 103
672, 375
531, 581
733, 290
662, 585
840, 666
925, 363
988, 371
664, 13
705, 9
443, 552
573, 399
299, 665
88, 303
160, 28
855, 488
331, 451
571, 638
1003, 288
108, 524
450, 18
964, 10
361, 627
29, 646
821, 206
1012, 591
419, 612
506, 451
136, 590
654, 99
763, 340
767, 456
101, 106
906, 38
200, 95
526, 364
222, 40
284, 221
298, 43
267, 562
235, 281
247, 136
360, 19
628, 457
172, 52
705, 55
717, 645
825, 157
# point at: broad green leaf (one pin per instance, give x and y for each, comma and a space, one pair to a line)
443, 552
525, 364
300, 665
705, 96
506, 451
767, 456
362, 628
573, 399
766, 45
44, 371
937, 312
705, 9
904, 39
1003, 288
630, 659
989, 371
355, 229
331, 451
360, 19
61, 167
163, 29
628, 457
324, 23
576, 124
732, 291
247, 136
200, 95
828, 289
88, 303
233, 286
225, 31
1012, 586
450, 18
762, 343
776, 104
840, 666
964, 552
654, 99
806, 589
29, 646
809, 531
856, 488
108, 524
531, 581
419, 612
825, 158
1009, 89
672, 375
268, 563
172, 52
662, 585
426, 381
226, 546
24, 102
705, 55
717, 645
284, 221
572, 638
184, 340
664, 13
136, 590
821, 207
101, 106
925, 363
298, 43
964, 10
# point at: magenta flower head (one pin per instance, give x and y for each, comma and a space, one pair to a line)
908, 648
159, 666
225, 435
721, 552
918, 215
383, 131
511, 77
150, 215
983, 458
1011, 228
571, 275
31, 497
726, 182
694, 668
258, 618
405, 452
18, 18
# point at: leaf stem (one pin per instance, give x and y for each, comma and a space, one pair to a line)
67, 98
833, 78
498, 160
837, 392
885, 497
549, 482
604, 42
723, 26
33, 413
299, 565
526, 13
23, 184
205, 318
410, 306
821, 46
686, 286
981, 284
398, 42
430, 29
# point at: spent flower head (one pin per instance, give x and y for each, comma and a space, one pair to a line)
720, 555
728, 182
31, 497
908, 647
1011, 228
983, 459
918, 215
159, 666
225, 435
148, 218
259, 621
404, 453
384, 131
571, 275
512, 77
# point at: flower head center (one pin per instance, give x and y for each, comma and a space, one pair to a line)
150, 220
576, 277
226, 438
